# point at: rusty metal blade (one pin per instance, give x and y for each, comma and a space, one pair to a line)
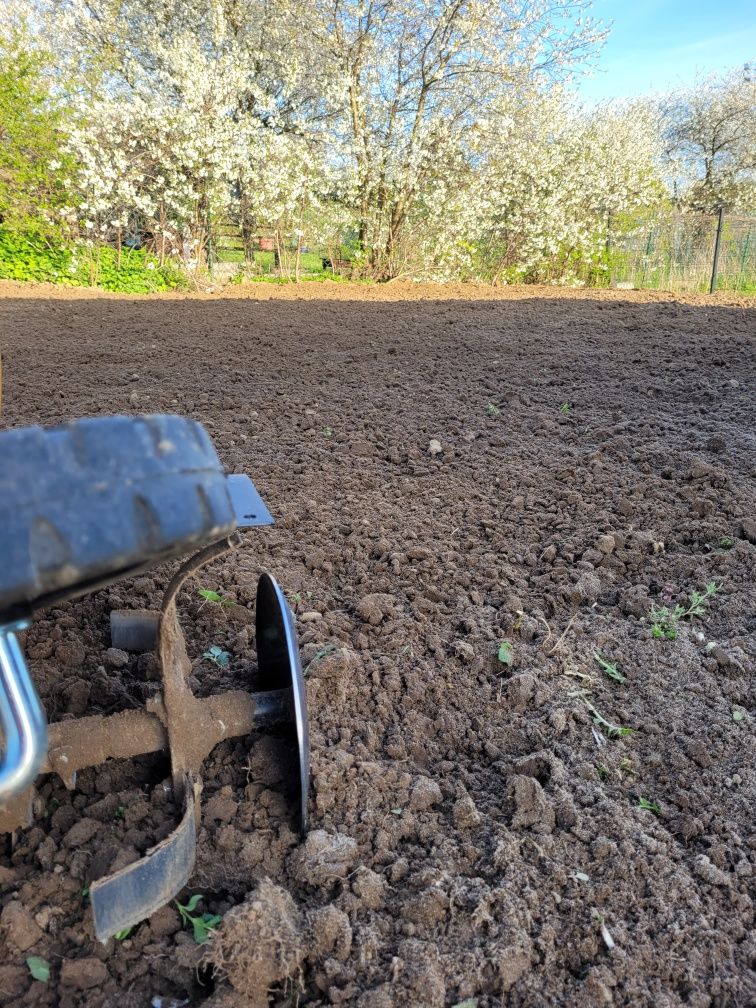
121, 900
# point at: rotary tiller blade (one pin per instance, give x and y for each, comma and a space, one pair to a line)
279, 668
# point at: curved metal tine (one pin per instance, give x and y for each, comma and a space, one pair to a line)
24, 729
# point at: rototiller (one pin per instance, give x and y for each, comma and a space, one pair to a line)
88, 503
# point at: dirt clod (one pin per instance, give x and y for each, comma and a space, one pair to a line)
83, 973
323, 858
19, 925
259, 943
376, 607
532, 808
331, 933
466, 815
424, 795
115, 658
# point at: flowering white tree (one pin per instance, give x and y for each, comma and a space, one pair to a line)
412, 77
184, 114
529, 193
555, 180
710, 136
435, 134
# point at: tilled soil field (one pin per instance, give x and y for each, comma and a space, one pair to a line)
451, 469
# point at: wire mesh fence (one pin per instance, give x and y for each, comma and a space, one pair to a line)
677, 252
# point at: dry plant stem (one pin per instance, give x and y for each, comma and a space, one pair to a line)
564, 633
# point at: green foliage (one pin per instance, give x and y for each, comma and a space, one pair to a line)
506, 653
215, 597
30, 256
120, 935
33, 167
607, 667
319, 655
599, 721
665, 620
39, 968
564, 409
202, 925
492, 409
649, 806
217, 655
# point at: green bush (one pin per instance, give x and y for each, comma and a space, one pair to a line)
34, 168
30, 257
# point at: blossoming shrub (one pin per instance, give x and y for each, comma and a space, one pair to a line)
31, 257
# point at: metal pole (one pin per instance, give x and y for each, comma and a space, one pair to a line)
21, 716
717, 243
210, 250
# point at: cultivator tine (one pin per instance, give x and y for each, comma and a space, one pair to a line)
137, 891
188, 727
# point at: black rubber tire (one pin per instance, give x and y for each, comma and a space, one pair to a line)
91, 500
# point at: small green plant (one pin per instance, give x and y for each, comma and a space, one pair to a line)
726, 542
214, 597
565, 408
493, 410
603, 771
601, 921
296, 598
611, 730
318, 656
120, 812
738, 714
204, 924
217, 655
609, 668
649, 806
664, 620
120, 935
626, 767
39, 968
326, 431
505, 653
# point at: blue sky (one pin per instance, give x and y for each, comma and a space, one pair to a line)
656, 45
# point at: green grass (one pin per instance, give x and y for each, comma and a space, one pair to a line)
309, 262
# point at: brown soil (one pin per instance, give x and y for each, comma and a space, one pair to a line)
471, 831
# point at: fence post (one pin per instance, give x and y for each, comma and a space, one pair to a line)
717, 243
210, 248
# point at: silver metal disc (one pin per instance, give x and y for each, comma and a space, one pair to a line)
280, 668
